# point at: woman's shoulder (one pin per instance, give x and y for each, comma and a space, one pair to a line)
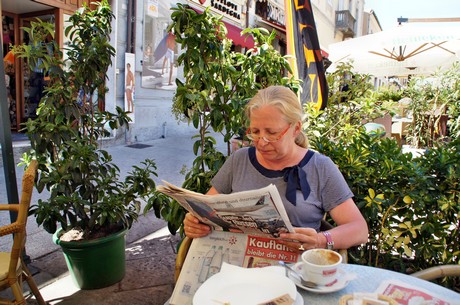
242, 151
320, 159
240, 154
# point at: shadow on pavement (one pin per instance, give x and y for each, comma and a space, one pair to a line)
149, 279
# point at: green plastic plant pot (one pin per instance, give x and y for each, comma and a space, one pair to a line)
95, 263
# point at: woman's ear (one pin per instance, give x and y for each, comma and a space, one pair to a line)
298, 127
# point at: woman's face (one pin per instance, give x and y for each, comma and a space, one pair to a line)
269, 122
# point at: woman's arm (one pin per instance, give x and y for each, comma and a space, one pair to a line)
212, 191
351, 230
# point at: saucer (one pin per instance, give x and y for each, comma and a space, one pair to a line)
341, 282
298, 299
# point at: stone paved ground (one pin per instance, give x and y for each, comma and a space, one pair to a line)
149, 278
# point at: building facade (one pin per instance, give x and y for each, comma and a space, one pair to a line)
145, 48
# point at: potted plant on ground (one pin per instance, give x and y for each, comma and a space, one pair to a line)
86, 196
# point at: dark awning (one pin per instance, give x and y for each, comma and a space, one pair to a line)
234, 33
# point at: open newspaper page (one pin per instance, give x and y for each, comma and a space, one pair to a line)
256, 212
206, 255
406, 294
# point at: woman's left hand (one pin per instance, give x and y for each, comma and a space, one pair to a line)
303, 239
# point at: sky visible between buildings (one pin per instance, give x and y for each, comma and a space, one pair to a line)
388, 11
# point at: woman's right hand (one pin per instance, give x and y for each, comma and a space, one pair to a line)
194, 228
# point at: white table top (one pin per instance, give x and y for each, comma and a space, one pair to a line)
369, 279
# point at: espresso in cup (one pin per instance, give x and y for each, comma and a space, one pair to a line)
321, 266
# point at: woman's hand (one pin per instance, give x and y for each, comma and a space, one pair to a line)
193, 228
303, 239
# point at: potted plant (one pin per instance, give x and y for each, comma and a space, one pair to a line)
86, 196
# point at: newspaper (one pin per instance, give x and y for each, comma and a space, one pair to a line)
246, 227
206, 255
405, 294
256, 212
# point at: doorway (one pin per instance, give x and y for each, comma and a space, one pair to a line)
25, 86
33, 80
8, 38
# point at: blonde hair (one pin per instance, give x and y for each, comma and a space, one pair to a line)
286, 101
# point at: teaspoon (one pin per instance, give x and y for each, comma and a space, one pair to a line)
303, 282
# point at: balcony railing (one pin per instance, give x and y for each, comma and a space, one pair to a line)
345, 23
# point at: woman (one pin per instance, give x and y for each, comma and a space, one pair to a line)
309, 183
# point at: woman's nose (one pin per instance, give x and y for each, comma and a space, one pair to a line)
263, 142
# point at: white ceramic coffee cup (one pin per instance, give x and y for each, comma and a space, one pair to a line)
321, 266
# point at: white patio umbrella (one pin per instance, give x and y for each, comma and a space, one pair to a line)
405, 49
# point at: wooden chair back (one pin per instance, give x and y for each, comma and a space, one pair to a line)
12, 267
437, 272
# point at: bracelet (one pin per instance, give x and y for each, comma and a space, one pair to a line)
329, 241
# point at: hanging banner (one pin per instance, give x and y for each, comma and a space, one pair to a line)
303, 45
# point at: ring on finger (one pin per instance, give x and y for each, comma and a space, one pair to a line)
301, 248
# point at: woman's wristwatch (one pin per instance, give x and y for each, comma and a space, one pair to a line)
329, 241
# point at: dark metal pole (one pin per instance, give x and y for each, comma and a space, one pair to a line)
5, 138
131, 32
7, 145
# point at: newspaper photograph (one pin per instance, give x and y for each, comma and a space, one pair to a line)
256, 212
406, 294
206, 255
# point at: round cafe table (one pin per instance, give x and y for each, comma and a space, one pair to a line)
368, 279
